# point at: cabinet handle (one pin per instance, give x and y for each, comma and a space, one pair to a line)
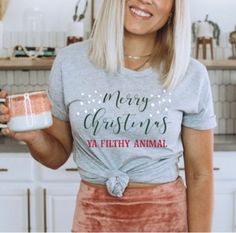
215, 169
3, 170
45, 209
72, 169
29, 210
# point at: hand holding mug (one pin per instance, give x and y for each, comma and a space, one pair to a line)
24, 112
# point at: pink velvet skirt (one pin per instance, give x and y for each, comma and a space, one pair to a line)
160, 208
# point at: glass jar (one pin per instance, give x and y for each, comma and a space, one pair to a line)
33, 20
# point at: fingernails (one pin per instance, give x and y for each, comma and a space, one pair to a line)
3, 109
6, 117
5, 131
3, 93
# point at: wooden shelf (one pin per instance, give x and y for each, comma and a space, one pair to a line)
26, 64
46, 64
219, 64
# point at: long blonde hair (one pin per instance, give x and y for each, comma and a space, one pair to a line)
171, 53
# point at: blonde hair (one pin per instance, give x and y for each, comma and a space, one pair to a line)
173, 47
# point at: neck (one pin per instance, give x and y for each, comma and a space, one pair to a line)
138, 45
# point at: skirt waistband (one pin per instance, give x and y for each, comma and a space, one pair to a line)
89, 190
130, 185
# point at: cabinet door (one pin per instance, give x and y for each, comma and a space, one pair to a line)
67, 172
14, 210
59, 206
223, 213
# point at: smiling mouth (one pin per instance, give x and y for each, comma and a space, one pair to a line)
139, 12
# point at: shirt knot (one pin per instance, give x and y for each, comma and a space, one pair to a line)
117, 182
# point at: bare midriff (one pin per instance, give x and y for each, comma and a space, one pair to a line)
130, 185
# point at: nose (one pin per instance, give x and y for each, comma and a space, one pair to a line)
146, 2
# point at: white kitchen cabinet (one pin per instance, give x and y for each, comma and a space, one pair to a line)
225, 190
59, 208
16, 174
35, 198
14, 210
59, 196
224, 218
223, 213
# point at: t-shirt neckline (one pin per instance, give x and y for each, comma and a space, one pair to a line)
146, 72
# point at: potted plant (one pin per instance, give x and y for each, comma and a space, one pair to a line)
207, 29
78, 17
77, 27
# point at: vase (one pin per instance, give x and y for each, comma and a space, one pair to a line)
76, 29
204, 29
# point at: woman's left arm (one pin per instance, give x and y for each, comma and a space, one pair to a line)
198, 159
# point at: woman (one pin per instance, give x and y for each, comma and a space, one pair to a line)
129, 103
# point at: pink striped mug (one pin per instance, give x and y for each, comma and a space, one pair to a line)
28, 111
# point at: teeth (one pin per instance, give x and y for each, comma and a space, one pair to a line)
140, 13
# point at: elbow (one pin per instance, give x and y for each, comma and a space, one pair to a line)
54, 165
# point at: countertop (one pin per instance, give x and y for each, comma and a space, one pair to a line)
225, 143
26, 63
222, 143
46, 64
219, 64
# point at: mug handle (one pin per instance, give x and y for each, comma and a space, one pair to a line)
3, 126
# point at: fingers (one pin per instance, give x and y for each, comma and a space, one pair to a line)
4, 118
7, 132
27, 137
4, 113
3, 93
3, 109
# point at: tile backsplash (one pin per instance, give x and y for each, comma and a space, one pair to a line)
22, 81
223, 84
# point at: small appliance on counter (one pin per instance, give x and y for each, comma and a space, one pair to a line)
33, 52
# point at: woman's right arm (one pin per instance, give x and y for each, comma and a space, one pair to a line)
51, 147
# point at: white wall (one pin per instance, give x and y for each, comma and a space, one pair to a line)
58, 14
221, 11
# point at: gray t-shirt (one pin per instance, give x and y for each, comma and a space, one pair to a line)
126, 127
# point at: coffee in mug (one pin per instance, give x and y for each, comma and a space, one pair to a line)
28, 111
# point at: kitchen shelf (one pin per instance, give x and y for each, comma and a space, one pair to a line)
26, 64
46, 64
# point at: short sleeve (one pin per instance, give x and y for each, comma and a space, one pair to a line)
203, 118
56, 90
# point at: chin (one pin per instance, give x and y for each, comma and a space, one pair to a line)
140, 30
137, 32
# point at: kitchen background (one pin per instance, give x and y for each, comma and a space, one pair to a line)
49, 23
35, 23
